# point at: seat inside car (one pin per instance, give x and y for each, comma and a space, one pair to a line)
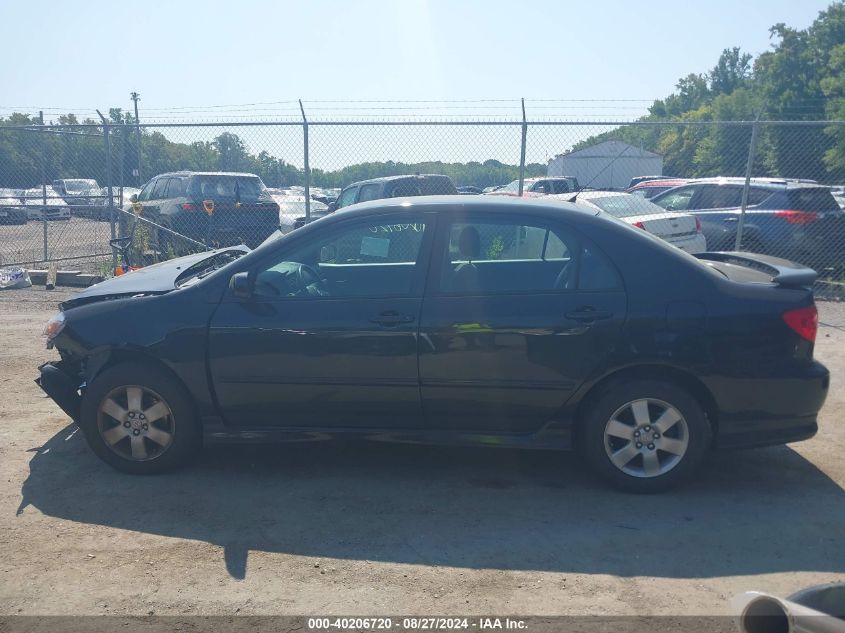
465, 276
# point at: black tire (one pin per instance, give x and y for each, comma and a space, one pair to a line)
616, 400
181, 423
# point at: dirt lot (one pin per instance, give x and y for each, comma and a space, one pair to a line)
377, 529
74, 238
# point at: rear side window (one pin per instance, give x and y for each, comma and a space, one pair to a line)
596, 271
436, 187
505, 256
719, 197
812, 199
176, 188
159, 189
757, 196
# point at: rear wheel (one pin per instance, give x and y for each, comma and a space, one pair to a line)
138, 420
645, 435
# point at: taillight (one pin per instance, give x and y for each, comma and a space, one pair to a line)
804, 321
639, 225
697, 224
188, 206
797, 217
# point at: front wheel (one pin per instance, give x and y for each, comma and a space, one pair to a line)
138, 420
645, 435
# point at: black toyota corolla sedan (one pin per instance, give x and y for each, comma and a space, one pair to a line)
478, 321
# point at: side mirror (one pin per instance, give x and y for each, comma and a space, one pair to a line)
133, 197
332, 207
239, 285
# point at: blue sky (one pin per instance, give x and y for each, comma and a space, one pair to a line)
204, 52
189, 57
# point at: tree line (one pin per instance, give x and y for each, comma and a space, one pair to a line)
801, 79
81, 152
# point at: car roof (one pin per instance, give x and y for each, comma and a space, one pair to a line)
499, 204
589, 194
772, 183
208, 173
390, 178
661, 182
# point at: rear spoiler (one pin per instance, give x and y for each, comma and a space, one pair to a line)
784, 272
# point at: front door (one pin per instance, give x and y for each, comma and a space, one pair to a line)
329, 337
518, 312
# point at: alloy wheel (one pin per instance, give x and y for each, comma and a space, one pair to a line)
136, 423
646, 438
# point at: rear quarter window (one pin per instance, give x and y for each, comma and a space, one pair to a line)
812, 199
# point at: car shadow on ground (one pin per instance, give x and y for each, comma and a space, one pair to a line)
752, 512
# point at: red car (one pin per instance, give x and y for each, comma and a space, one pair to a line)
650, 188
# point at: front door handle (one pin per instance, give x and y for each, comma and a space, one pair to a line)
588, 315
391, 318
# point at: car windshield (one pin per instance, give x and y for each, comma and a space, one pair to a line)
205, 267
624, 205
513, 187
231, 187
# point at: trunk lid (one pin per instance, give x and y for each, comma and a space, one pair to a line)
667, 226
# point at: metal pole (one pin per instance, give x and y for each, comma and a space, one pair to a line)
43, 185
136, 97
120, 167
752, 147
522, 150
307, 167
108, 184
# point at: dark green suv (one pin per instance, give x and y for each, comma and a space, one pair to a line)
215, 208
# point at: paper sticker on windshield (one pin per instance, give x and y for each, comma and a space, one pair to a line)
375, 246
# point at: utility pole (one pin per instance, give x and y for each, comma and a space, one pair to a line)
136, 97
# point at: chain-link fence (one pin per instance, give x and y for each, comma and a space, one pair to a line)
772, 187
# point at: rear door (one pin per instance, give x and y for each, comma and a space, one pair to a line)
518, 311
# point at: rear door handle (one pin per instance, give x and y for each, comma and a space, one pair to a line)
587, 315
391, 318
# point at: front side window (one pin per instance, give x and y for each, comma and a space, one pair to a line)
373, 258
369, 192
146, 191
560, 186
719, 197
676, 199
347, 197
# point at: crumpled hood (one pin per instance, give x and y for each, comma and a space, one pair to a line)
156, 279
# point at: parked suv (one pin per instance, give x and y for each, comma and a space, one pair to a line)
539, 186
217, 208
793, 219
388, 187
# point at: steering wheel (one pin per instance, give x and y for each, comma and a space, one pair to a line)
310, 281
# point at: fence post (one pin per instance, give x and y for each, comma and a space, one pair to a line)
108, 185
43, 183
306, 165
752, 147
522, 149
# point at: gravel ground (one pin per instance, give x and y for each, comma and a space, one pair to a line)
379, 529
74, 238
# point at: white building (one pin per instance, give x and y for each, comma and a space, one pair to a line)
607, 165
